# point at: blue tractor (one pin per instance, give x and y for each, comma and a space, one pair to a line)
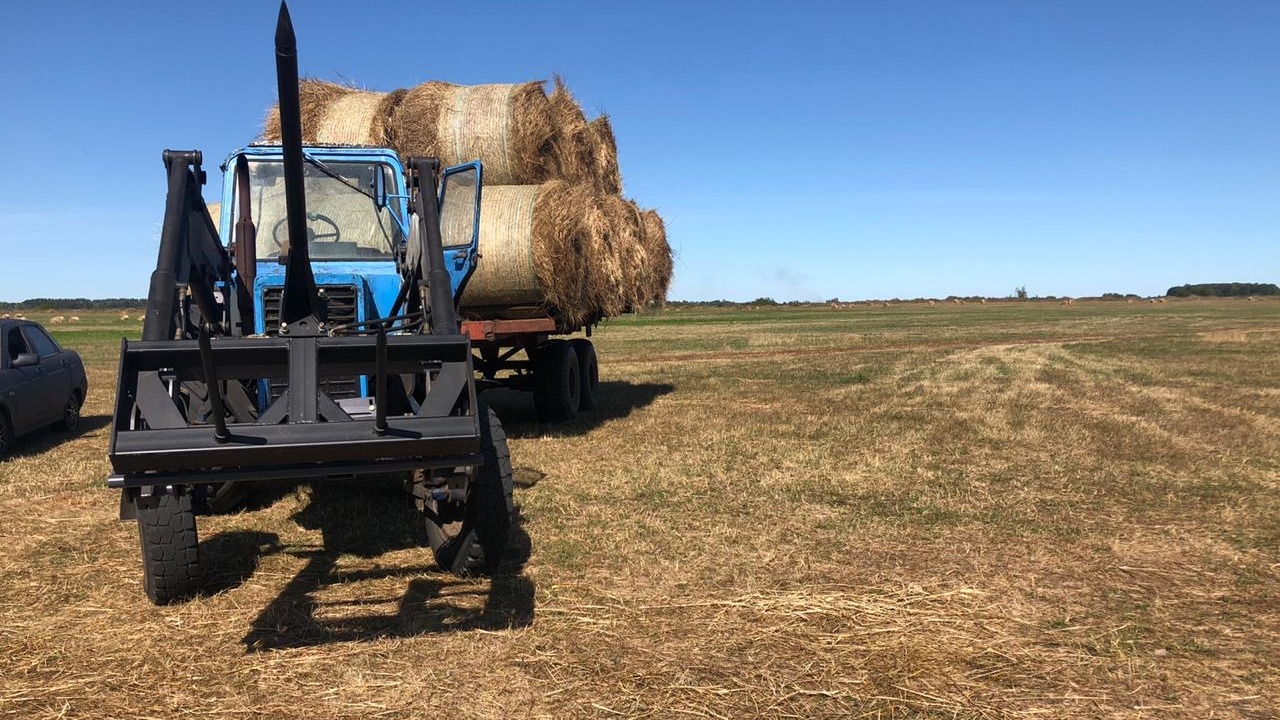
325, 338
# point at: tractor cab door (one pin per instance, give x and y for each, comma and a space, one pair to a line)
460, 223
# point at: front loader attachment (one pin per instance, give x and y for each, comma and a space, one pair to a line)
175, 423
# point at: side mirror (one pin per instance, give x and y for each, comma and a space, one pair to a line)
26, 360
379, 187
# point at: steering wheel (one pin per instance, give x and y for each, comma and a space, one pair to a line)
331, 236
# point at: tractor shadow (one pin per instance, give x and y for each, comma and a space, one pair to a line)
615, 399
43, 440
366, 520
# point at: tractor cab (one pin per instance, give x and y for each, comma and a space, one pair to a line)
358, 227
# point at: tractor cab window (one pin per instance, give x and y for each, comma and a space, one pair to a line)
458, 208
343, 221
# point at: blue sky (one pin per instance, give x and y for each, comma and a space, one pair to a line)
798, 150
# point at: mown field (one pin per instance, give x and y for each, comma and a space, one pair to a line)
1002, 510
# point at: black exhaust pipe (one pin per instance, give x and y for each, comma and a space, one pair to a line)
300, 298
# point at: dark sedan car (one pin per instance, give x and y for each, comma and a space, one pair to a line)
41, 384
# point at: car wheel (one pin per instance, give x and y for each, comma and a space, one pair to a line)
71, 413
6, 434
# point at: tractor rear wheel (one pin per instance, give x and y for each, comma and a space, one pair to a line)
589, 369
476, 543
557, 381
170, 549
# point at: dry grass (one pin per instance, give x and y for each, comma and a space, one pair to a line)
999, 511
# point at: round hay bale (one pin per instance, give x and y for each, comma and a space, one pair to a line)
412, 124
626, 267
508, 127
604, 155
572, 141
659, 260
616, 260
357, 118
314, 99
533, 243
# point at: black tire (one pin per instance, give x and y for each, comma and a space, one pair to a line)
6, 435
557, 382
170, 548
70, 421
589, 370
475, 545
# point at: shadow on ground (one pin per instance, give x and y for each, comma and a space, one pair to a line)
368, 519
614, 399
46, 439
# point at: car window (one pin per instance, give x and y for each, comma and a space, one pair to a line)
40, 340
15, 345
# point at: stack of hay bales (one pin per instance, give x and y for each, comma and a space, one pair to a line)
555, 229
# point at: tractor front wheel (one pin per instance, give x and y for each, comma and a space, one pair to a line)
474, 543
170, 549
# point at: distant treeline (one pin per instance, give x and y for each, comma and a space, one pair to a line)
74, 304
770, 302
1224, 289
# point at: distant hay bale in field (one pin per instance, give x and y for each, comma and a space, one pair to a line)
510, 127
604, 155
884, 304
983, 301
4, 317
19, 316
74, 319
1224, 336
932, 303
1068, 301
57, 320
124, 316
1129, 301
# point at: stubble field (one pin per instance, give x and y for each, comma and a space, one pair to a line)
1001, 510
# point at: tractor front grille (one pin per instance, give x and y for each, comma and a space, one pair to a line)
343, 308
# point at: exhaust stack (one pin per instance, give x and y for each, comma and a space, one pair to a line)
300, 300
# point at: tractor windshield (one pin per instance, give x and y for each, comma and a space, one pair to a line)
343, 219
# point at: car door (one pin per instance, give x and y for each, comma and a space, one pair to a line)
20, 384
55, 377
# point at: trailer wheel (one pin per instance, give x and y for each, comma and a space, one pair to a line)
475, 545
170, 550
557, 381
589, 369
